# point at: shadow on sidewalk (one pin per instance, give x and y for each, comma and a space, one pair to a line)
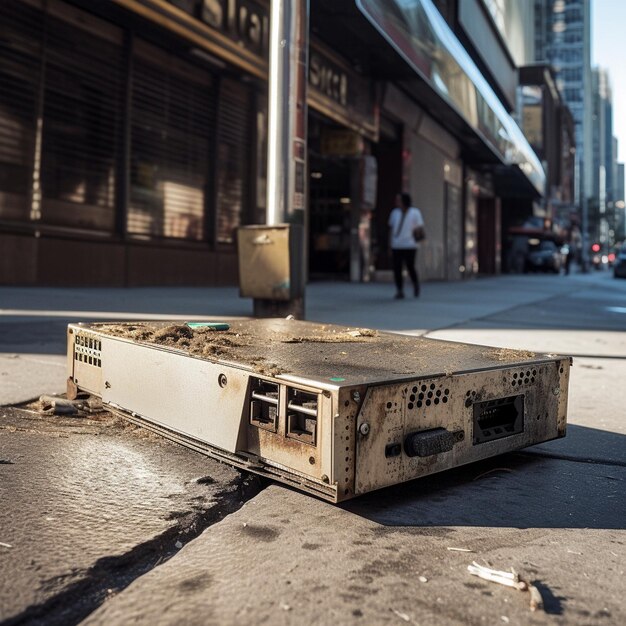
517, 490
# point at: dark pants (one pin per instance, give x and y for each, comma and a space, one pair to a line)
406, 257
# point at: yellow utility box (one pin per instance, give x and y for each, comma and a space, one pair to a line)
270, 261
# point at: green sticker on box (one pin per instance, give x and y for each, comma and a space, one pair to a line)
212, 325
336, 379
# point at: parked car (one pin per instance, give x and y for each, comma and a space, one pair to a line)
619, 266
543, 256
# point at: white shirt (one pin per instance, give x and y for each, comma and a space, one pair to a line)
402, 238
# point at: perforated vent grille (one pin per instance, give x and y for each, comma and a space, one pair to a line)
426, 394
88, 350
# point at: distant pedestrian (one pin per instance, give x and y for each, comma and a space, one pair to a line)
406, 228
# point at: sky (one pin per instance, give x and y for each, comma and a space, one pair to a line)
608, 32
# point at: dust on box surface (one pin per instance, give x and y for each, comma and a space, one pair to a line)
319, 352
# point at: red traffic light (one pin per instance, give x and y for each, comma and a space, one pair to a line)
595, 247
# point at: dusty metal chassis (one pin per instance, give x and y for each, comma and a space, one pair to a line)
365, 426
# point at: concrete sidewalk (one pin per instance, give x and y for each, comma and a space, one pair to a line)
33, 320
556, 512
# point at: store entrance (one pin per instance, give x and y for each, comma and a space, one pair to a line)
329, 226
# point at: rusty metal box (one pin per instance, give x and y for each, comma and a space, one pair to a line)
270, 261
335, 411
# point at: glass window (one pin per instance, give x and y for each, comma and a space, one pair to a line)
21, 29
82, 116
171, 121
234, 152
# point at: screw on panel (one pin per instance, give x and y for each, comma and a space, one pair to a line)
364, 428
107, 384
325, 479
222, 381
356, 396
556, 391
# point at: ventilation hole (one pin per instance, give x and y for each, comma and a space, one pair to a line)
432, 385
388, 405
513, 383
430, 394
515, 375
427, 402
419, 404
421, 396
561, 370
468, 393
412, 397
348, 427
444, 399
534, 372
447, 392
423, 387
410, 405
436, 400
347, 479
525, 381
532, 380
347, 459
414, 390
528, 373
438, 394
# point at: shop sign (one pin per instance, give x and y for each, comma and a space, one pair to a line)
339, 92
243, 21
341, 142
329, 79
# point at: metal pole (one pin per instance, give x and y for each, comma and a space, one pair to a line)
287, 130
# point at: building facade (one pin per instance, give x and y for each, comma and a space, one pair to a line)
134, 137
563, 40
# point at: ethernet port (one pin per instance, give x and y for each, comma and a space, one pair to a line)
495, 419
264, 404
302, 415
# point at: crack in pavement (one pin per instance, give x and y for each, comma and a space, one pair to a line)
111, 575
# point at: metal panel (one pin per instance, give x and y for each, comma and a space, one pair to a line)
175, 391
394, 411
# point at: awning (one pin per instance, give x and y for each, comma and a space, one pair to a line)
421, 36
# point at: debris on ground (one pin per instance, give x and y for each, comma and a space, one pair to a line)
60, 405
509, 579
402, 616
459, 549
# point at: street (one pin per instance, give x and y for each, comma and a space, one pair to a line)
105, 523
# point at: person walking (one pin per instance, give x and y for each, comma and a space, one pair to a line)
406, 228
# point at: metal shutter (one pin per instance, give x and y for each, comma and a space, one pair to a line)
21, 35
172, 118
82, 113
234, 154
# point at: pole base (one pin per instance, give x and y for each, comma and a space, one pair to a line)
279, 308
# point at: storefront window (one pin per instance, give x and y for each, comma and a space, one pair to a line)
171, 121
234, 151
21, 29
83, 89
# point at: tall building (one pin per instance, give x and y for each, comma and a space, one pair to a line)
563, 39
601, 217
